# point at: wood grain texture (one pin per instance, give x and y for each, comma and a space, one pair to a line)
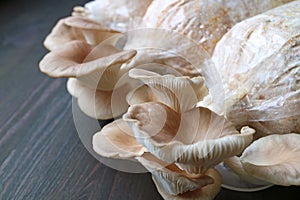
41, 156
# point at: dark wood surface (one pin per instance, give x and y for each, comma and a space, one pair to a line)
41, 156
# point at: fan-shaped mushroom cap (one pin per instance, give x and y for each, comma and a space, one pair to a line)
99, 104
180, 93
196, 140
77, 28
274, 159
78, 58
98, 74
174, 181
116, 140
258, 61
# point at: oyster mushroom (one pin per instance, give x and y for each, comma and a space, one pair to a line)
274, 159
96, 72
174, 183
172, 129
183, 151
77, 59
168, 89
116, 140
195, 140
99, 104
208, 192
77, 28
258, 62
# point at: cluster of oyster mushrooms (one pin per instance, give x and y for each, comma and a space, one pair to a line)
193, 83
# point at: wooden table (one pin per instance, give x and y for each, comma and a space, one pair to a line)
41, 156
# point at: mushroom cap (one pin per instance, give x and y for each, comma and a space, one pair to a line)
116, 140
180, 93
195, 140
77, 59
274, 159
99, 104
77, 28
